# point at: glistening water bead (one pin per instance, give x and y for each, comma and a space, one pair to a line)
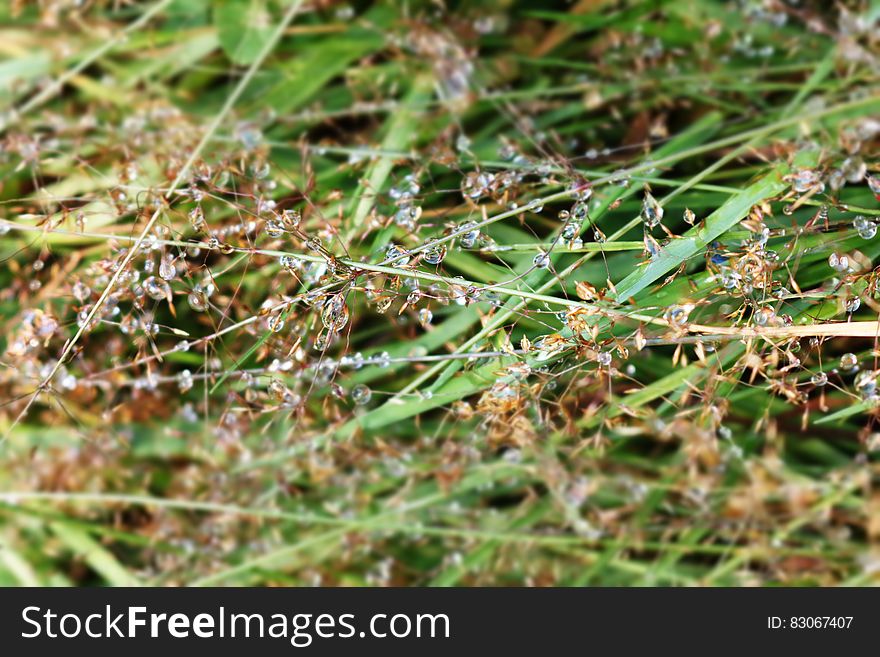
838, 262
167, 270
291, 218
848, 362
185, 381
273, 229
81, 291
865, 228
652, 212
335, 313
397, 255
197, 299
865, 385
470, 235
435, 253
361, 394
156, 288
197, 220
677, 316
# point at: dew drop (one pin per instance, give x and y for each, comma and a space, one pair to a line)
335, 313
184, 381
197, 300
470, 235
157, 289
273, 228
435, 253
677, 316
874, 186
167, 270
652, 212
197, 219
866, 228
397, 255
81, 291
361, 394
866, 385
291, 218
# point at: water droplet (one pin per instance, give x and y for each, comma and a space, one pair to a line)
157, 289
468, 238
335, 313
689, 216
275, 323
477, 184
848, 362
184, 381
604, 358
81, 291
435, 253
874, 186
652, 247
852, 304
167, 270
866, 385
361, 394
805, 180
396, 255
197, 219
542, 260
763, 316
197, 299
291, 218
570, 230
581, 190
273, 228
652, 212
425, 316
853, 169
288, 263
819, 379
677, 316
838, 262
866, 228
407, 216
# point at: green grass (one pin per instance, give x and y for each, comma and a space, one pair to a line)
604, 416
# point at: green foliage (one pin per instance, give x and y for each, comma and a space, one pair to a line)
391, 293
